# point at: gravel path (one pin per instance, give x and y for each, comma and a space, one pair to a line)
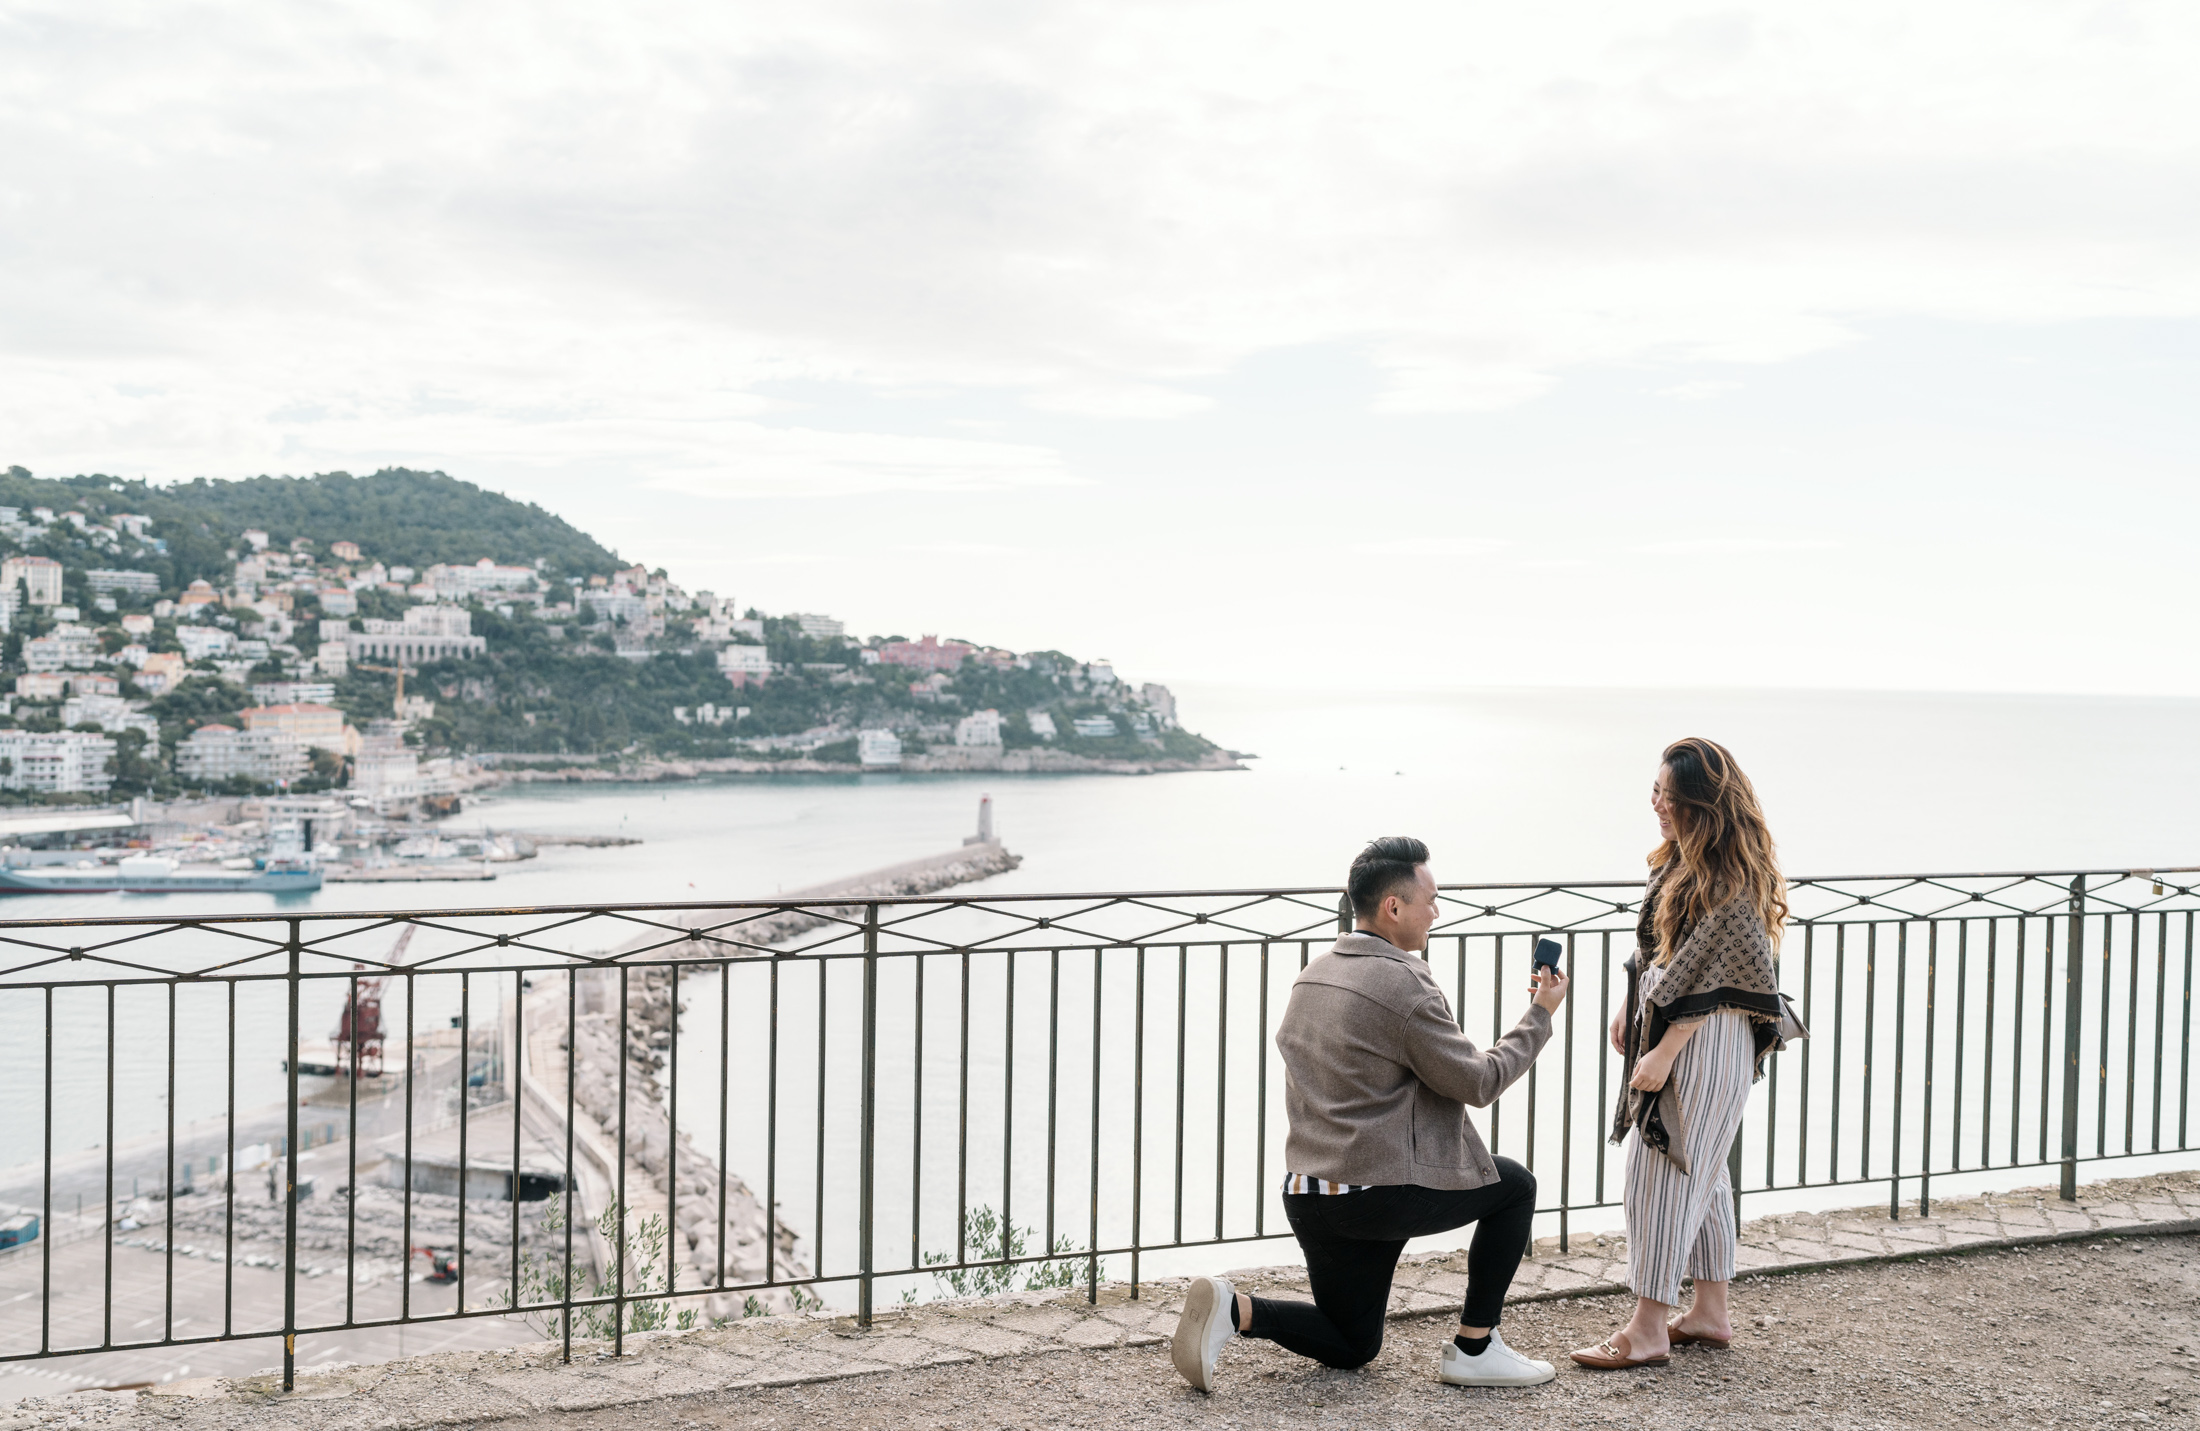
2064, 1335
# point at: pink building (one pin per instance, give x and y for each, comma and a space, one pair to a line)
929, 654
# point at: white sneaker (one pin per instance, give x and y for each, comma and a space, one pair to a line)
1498, 1365
1206, 1323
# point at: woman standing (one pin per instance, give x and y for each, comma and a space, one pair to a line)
1703, 1011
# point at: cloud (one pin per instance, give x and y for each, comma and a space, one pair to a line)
795, 462
251, 233
1736, 546
1428, 547
1699, 389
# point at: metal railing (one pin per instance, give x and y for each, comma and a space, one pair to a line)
891, 1096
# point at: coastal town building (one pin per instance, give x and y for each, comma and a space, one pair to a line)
216, 753
426, 633
203, 643
979, 728
337, 601
708, 714
40, 576
255, 539
818, 628
878, 750
741, 664
109, 713
162, 672
386, 772
928, 654
62, 762
1097, 727
68, 647
134, 583
458, 583
283, 693
312, 724
197, 594
137, 623
344, 551
40, 686
1041, 723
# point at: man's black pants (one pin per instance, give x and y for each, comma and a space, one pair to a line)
1352, 1242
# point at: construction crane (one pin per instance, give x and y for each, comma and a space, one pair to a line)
397, 705
359, 1027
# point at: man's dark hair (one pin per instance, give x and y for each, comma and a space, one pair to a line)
1380, 869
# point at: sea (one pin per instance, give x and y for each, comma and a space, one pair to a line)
1503, 785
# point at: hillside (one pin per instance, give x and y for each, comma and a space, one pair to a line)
549, 647
403, 517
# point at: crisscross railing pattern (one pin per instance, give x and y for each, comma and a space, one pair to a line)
746, 1105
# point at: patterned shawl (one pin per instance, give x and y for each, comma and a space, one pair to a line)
1724, 962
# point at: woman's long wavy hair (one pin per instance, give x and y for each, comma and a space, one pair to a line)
1721, 850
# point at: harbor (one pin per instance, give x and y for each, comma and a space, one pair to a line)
278, 845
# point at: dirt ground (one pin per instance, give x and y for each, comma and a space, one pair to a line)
2065, 1335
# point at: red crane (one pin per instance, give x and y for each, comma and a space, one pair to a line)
359, 1027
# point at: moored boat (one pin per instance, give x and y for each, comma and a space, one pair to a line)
156, 874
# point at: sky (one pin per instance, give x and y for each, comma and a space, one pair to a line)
1426, 345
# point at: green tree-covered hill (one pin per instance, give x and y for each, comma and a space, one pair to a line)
396, 516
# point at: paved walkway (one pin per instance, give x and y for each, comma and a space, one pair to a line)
472, 1387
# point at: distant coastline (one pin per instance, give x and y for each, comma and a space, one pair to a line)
503, 770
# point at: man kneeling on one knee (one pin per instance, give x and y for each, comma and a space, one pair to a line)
1378, 1076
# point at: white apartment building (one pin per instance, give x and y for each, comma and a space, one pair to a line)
136, 583
108, 712
979, 728
332, 659
616, 606
55, 762
427, 633
1042, 724
337, 602
283, 693
1095, 727
386, 772
754, 662
878, 749
214, 753
68, 647
818, 628
458, 583
203, 642
41, 578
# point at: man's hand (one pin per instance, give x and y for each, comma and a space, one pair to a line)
1651, 1070
1551, 987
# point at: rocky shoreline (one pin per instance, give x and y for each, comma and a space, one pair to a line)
951, 760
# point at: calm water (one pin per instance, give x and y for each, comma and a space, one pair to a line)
1503, 785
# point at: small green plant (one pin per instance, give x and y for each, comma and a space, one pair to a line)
987, 1239
542, 1279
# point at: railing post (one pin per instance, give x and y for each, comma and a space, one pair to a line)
290, 1182
870, 1112
1344, 912
2073, 1033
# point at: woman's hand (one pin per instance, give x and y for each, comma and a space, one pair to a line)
1619, 1033
1652, 1069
